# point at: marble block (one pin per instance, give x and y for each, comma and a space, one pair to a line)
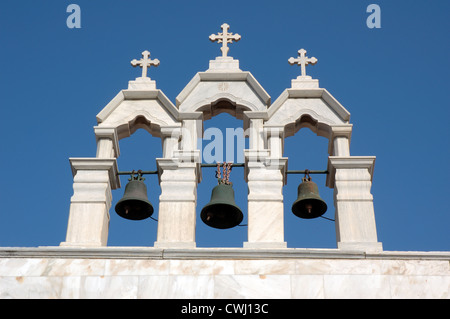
304, 82
207, 273
142, 84
223, 64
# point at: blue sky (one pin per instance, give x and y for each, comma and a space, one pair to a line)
394, 82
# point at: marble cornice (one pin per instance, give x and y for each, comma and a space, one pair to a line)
211, 253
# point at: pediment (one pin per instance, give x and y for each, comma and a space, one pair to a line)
238, 88
133, 109
316, 106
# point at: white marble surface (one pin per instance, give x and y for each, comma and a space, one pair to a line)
383, 275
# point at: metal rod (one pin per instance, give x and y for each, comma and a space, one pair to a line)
156, 172
233, 165
135, 172
304, 172
215, 165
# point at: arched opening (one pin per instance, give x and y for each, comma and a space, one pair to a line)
223, 105
223, 141
137, 152
306, 150
127, 129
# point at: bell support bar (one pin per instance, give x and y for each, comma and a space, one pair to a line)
135, 172
215, 165
307, 171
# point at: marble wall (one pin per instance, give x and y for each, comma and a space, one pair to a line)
243, 277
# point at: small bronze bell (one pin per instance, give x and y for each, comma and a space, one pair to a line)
135, 204
308, 204
222, 212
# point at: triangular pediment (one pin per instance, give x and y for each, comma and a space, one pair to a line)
238, 88
316, 106
133, 109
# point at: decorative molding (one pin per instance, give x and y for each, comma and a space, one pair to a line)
212, 253
97, 164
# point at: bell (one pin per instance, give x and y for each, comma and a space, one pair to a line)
308, 204
222, 212
135, 204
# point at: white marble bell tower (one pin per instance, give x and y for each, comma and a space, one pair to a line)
223, 87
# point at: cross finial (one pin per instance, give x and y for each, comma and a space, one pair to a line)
224, 37
303, 61
145, 62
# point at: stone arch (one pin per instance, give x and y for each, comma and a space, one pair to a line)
224, 104
315, 109
129, 111
109, 134
138, 121
208, 87
306, 120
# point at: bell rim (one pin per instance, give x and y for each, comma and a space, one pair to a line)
147, 213
236, 211
310, 216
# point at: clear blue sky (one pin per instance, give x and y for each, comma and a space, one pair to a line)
394, 81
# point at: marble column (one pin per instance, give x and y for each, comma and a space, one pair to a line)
94, 178
265, 180
177, 203
191, 130
339, 141
351, 178
170, 137
107, 142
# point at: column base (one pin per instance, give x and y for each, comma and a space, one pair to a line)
181, 245
265, 245
81, 244
360, 246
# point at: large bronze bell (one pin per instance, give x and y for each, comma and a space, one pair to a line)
222, 212
135, 204
308, 204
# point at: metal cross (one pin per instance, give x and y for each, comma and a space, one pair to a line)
224, 37
145, 62
303, 61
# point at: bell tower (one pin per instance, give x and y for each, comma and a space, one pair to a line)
223, 87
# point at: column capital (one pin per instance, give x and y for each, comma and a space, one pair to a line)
349, 162
168, 131
97, 164
344, 130
274, 130
108, 133
261, 159
172, 173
